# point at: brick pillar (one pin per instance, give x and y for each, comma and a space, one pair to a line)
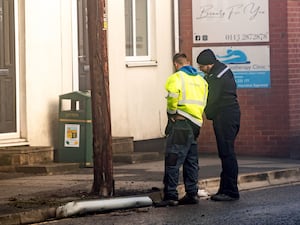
293, 9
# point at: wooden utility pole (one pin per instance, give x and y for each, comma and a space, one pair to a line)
102, 141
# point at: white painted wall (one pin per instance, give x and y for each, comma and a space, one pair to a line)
138, 106
48, 43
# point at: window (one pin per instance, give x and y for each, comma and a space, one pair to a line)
137, 30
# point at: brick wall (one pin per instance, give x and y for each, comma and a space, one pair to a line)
267, 114
293, 23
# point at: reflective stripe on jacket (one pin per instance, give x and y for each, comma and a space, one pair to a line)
187, 95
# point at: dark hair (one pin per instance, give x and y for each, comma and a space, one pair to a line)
180, 58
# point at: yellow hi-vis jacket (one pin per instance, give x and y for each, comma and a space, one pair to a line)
187, 95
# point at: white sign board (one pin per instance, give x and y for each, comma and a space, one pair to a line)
249, 64
224, 21
72, 135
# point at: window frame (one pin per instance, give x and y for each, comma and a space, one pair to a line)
147, 57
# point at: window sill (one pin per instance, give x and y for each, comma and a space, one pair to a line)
141, 64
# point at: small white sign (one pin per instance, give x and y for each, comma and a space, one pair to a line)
249, 64
224, 21
72, 135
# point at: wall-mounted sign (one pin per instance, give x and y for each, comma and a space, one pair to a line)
72, 134
249, 64
224, 21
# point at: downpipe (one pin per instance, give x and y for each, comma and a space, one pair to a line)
100, 205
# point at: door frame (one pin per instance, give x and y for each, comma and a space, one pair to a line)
14, 135
75, 82
75, 46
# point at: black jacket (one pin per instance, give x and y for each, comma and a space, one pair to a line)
221, 90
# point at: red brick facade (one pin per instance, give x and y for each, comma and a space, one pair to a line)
293, 24
270, 124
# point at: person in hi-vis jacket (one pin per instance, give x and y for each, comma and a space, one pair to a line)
187, 97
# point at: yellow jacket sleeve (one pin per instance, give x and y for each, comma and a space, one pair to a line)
173, 86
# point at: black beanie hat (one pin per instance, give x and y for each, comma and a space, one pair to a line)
206, 57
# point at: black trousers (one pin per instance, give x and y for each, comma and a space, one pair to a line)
226, 127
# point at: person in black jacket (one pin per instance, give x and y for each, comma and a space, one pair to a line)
224, 110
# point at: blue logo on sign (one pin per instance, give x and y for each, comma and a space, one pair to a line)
234, 57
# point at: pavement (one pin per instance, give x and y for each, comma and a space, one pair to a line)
32, 198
